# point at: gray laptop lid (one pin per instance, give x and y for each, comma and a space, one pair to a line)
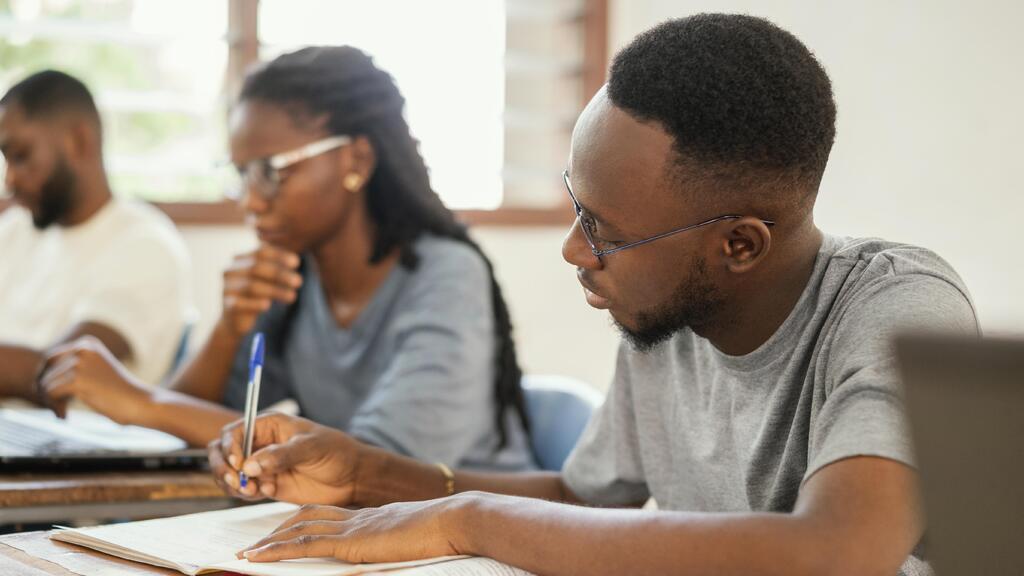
36, 440
965, 400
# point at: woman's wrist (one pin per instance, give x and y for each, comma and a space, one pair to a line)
145, 404
224, 333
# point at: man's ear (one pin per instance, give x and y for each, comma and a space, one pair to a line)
746, 244
81, 140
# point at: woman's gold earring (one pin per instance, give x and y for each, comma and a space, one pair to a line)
352, 182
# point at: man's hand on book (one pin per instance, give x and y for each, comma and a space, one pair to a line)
293, 460
391, 533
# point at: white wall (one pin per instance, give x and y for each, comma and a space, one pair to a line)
931, 121
556, 332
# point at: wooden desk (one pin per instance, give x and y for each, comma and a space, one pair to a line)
40, 498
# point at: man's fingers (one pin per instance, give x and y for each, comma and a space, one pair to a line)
218, 467
306, 546
226, 455
60, 387
314, 513
78, 346
228, 451
271, 428
279, 458
72, 348
223, 475
299, 530
271, 460
231, 443
58, 383
231, 480
59, 364
57, 386
267, 431
58, 370
60, 408
58, 391
268, 487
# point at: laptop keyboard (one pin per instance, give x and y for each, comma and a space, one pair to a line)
15, 437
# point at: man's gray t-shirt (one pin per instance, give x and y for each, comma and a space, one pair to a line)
699, 430
415, 372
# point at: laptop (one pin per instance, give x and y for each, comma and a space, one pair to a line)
965, 401
35, 440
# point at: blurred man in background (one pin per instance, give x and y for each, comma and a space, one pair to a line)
77, 261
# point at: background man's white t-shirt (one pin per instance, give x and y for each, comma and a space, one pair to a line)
126, 268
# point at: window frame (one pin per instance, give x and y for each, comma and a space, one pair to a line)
243, 51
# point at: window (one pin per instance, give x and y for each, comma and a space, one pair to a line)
447, 58
492, 87
156, 70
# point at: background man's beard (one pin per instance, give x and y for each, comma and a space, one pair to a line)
692, 304
55, 197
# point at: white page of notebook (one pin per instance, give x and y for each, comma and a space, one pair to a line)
208, 540
474, 566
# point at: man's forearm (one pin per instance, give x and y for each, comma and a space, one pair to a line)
19, 366
383, 477
559, 539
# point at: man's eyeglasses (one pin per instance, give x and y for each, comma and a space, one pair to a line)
601, 247
263, 175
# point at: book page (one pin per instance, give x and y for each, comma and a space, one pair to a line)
187, 542
465, 567
322, 567
207, 541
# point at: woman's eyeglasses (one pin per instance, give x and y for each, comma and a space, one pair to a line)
263, 175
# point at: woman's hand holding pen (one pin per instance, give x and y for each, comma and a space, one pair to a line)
254, 281
293, 460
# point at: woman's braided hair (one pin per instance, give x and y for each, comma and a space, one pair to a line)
343, 85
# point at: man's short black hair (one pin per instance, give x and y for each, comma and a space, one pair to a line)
49, 93
745, 102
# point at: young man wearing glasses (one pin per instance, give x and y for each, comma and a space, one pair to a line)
754, 399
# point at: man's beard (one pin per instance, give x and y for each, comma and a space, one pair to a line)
55, 197
692, 304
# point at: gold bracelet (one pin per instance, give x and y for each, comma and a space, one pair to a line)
449, 478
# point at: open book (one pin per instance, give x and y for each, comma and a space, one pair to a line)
207, 542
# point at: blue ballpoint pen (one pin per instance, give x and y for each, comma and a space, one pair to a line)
252, 399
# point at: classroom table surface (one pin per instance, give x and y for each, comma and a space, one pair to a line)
43, 556
60, 497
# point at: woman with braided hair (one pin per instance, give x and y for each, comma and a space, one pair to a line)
382, 316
